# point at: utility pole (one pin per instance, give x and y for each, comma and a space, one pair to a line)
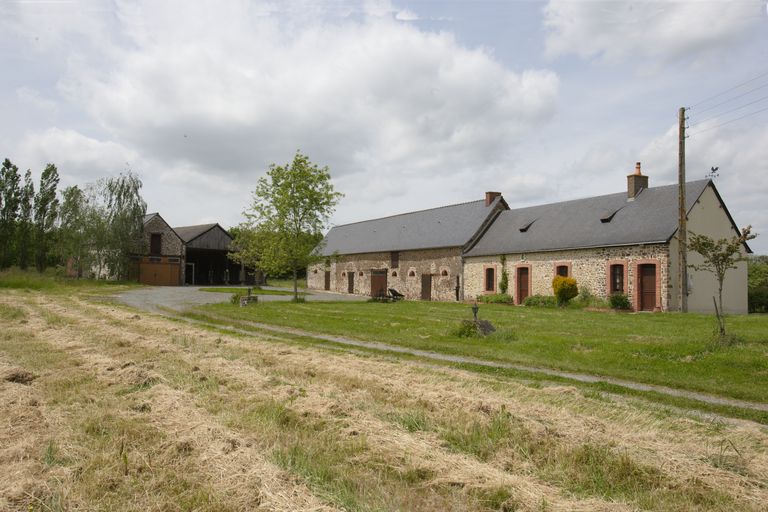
682, 234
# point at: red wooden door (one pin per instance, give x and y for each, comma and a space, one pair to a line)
647, 287
378, 283
523, 284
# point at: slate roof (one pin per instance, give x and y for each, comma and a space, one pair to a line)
189, 233
149, 216
651, 217
447, 226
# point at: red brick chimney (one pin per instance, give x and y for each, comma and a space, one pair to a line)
490, 196
636, 182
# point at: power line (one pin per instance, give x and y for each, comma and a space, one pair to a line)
731, 110
729, 90
729, 122
734, 98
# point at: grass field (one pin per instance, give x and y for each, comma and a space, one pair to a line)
254, 291
286, 283
666, 349
107, 409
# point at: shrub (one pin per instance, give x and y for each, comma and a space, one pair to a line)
504, 282
235, 299
467, 329
565, 289
619, 301
542, 301
496, 298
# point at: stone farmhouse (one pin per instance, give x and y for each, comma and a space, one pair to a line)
418, 253
617, 243
194, 255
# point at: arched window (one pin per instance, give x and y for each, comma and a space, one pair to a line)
314, 271
343, 274
444, 273
361, 273
411, 274
394, 273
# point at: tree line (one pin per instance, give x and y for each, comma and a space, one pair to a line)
96, 229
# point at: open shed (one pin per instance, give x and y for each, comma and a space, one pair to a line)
206, 261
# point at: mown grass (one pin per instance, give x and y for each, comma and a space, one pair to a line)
286, 282
668, 349
51, 282
243, 290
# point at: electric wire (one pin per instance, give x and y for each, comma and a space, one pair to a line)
698, 122
731, 99
728, 90
728, 122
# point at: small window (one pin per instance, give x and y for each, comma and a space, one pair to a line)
411, 274
314, 271
444, 273
343, 274
156, 244
490, 279
394, 273
394, 258
562, 270
617, 278
361, 273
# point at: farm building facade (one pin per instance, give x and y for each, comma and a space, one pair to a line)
617, 243
193, 255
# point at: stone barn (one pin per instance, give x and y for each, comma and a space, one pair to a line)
419, 254
193, 255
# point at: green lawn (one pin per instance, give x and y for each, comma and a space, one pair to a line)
286, 283
667, 349
254, 291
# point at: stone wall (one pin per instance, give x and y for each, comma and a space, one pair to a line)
171, 243
590, 268
444, 265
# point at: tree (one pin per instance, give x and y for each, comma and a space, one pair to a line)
24, 228
719, 257
73, 240
10, 194
124, 211
46, 210
291, 206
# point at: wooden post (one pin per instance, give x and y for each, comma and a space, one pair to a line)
682, 234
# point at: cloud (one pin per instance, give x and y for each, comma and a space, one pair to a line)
663, 31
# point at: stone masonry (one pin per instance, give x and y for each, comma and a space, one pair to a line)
590, 268
171, 243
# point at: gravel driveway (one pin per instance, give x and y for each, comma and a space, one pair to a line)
154, 298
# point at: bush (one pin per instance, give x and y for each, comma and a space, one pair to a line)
497, 298
565, 289
758, 299
504, 282
235, 299
619, 301
541, 301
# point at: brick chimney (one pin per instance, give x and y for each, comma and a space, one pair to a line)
636, 182
490, 196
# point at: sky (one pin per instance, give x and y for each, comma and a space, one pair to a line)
411, 104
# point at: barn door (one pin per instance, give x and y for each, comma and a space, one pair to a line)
350, 282
523, 284
647, 287
426, 286
378, 283
327, 280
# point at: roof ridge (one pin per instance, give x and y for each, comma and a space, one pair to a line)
408, 213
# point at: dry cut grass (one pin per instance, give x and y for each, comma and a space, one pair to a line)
104, 409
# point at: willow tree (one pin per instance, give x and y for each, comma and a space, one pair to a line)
46, 211
291, 206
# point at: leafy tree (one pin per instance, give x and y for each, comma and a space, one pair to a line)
124, 211
291, 206
9, 210
24, 228
504, 281
757, 271
74, 233
45, 210
719, 257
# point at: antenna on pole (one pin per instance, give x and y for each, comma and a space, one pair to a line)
682, 234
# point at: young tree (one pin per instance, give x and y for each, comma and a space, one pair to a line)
9, 211
24, 228
73, 239
124, 210
290, 208
46, 210
504, 281
719, 256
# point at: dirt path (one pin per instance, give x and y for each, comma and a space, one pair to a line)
278, 425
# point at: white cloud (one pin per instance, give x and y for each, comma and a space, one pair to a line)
663, 31
34, 98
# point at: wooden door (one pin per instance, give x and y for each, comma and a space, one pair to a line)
647, 287
523, 284
350, 282
327, 280
426, 286
378, 283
